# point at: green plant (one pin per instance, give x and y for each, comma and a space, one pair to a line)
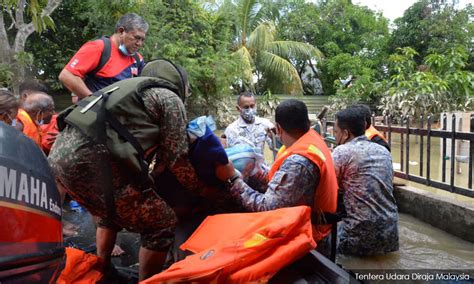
440, 85
267, 103
220, 109
6, 75
261, 55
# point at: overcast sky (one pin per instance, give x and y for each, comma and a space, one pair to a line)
393, 9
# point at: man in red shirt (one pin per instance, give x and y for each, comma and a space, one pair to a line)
80, 75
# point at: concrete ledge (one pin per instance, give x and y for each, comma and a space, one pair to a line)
452, 216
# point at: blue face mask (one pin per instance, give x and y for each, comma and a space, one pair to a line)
248, 114
40, 121
124, 50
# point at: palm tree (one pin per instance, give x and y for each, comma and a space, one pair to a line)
260, 54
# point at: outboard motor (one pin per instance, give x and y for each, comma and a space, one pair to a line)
31, 242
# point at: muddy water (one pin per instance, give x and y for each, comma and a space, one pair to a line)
461, 166
85, 240
421, 247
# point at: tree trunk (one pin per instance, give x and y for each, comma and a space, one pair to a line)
4, 45
24, 30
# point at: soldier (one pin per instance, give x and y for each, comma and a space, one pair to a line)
249, 128
105, 170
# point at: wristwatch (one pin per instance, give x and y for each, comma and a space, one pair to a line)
230, 182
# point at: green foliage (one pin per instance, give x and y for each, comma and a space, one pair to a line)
198, 40
24, 58
432, 28
259, 51
267, 103
19, 20
231, 42
222, 109
343, 31
439, 86
6, 75
363, 89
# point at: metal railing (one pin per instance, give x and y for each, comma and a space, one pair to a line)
424, 134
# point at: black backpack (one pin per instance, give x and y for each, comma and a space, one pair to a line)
105, 56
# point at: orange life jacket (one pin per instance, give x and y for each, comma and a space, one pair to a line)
81, 268
30, 128
252, 247
49, 132
313, 147
371, 132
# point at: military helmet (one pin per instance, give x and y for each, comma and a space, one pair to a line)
166, 70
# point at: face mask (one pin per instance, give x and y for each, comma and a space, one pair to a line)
248, 114
13, 123
278, 138
124, 50
40, 121
340, 142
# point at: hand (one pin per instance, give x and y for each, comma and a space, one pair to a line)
271, 131
51, 138
223, 142
225, 172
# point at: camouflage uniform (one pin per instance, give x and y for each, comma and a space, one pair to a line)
75, 163
253, 134
364, 171
292, 185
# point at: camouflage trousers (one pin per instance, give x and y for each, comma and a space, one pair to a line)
77, 165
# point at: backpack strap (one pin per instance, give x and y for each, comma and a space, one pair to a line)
137, 61
127, 136
108, 186
104, 57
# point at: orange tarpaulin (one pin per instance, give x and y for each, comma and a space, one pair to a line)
81, 268
238, 248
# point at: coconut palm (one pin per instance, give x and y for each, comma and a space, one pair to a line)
260, 54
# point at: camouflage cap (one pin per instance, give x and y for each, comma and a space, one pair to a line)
166, 70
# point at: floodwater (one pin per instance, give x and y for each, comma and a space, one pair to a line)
85, 240
422, 246
461, 165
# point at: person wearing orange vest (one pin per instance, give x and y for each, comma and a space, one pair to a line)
302, 174
36, 109
370, 131
50, 131
8, 108
365, 173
